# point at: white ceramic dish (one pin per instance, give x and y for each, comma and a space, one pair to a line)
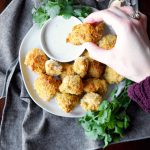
53, 39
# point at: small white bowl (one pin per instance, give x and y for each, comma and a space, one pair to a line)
53, 39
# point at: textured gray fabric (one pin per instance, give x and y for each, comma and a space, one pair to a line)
25, 125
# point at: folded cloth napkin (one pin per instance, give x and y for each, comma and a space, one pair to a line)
24, 125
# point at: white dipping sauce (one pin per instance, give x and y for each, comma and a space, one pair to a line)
53, 39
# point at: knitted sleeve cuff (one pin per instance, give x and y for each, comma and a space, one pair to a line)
140, 93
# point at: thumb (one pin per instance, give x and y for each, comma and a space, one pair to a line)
97, 53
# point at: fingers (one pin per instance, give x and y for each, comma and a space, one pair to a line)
127, 9
119, 12
108, 17
114, 17
99, 54
130, 11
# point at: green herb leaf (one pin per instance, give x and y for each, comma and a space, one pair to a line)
91, 135
120, 124
107, 139
53, 11
126, 121
39, 16
111, 120
53, 8
104, 105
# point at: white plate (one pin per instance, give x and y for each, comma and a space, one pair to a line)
32, 40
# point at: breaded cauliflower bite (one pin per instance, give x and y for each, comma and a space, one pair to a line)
66, 102
108, 41
91, 101
103, 87
96, 69
111, 76
67, 70
84, 32
80, 66
95, 85
35, 60
72, 84
46, 86
100, 28
53, 68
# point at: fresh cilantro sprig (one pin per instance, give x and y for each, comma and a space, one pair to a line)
111, 119
52, 8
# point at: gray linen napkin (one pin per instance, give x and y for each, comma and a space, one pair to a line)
25, 126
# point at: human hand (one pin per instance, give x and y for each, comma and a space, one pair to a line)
131, 55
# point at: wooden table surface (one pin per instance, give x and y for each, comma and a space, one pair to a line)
136, 145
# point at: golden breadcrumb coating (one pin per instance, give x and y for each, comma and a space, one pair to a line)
84, 32
103, 88
100, 28
67, 70
35, 60
108, 41
91, 101
111, 76
53, 68
80, 66
66, 102
95, 85
96, 69
72, 84
46, 86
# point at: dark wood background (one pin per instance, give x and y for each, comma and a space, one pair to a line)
136, 145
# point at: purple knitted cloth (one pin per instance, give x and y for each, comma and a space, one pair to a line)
140, 93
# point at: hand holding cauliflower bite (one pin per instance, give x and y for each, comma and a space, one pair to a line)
84, 76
